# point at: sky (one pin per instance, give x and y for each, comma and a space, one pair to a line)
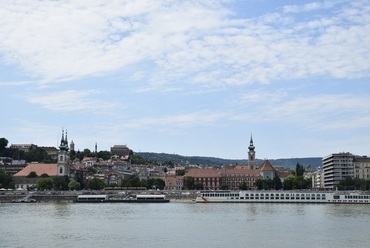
188, 77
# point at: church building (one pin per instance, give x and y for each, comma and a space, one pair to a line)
61, 168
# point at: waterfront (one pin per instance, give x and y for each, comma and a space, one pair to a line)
183, 224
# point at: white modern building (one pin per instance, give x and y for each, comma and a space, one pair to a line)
336, 167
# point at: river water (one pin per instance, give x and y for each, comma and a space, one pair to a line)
183, 224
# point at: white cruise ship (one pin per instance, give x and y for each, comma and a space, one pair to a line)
261, 196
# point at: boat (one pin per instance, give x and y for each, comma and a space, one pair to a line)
259, 196
127, 199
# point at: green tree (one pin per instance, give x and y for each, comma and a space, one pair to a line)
5, 180
299, 170
104, 155
61, 182
188, 182
74, 185
44, 183
3, 144
156, 183
44, 175
38, 155
91, 170
180, 172
243, 186
288, 182
198, 185
96, 184
224, 186
276, 183
32, 174
259, 183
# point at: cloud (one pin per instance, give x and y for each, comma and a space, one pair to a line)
173, 43
71, 100
318, 112
199, 118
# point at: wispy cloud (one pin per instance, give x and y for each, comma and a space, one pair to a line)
68, 40
318, 112
71, 100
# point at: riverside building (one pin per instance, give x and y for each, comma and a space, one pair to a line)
336, 167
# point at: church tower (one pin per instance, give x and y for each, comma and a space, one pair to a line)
251, 155
63, 157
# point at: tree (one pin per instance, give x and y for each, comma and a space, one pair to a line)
44, 183
61, 182
243, 186
188, 182
5, 180
3, 144
96, 184
131, 181
198, 185
276, 183
259, 183
288, 182
74, 185
299, 170
44, 175
224, 186
156, 183
32, 174
91, 170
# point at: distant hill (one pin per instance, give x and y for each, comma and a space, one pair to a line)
211, 161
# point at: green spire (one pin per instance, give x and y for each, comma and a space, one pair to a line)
251, 146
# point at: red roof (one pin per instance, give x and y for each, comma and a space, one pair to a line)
266, 166
50, 169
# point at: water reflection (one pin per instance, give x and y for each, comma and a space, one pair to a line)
183, 225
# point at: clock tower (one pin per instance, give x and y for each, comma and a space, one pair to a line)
251, 155
63, 157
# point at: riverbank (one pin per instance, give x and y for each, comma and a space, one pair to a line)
71, 196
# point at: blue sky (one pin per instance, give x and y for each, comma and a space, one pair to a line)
188, 77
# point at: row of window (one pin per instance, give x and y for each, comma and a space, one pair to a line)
271, 196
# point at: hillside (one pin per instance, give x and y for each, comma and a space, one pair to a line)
211, 161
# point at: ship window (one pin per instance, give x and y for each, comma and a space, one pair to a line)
336, 197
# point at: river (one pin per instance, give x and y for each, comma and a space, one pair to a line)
183, 224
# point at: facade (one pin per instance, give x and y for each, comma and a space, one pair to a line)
317, 179
232, 177
63, 157
22, 182
11, 166
120, 150
361, 167
336, 167
251, 155
51, 151
23, 147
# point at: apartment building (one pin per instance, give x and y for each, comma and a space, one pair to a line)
336, 167
362, 167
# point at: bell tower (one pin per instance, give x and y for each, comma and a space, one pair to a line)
63, 156
251, 155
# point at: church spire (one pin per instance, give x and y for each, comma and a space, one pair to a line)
251, 146
251, 155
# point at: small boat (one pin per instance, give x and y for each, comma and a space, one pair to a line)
255, 196
127, 199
